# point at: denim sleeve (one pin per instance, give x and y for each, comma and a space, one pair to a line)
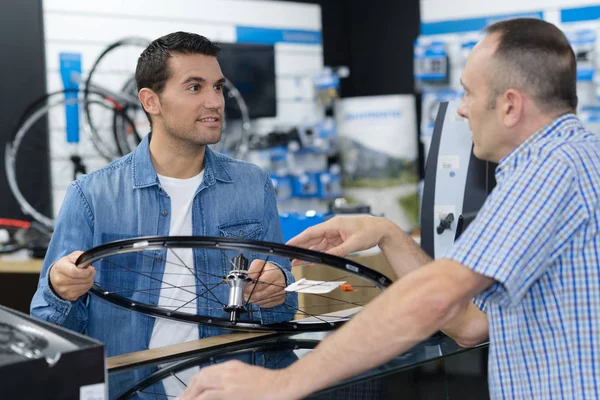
74, 231
273, 233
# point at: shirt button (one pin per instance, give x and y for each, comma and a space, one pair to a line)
241, 233
165, 213
159, 258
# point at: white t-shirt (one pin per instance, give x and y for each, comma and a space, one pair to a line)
166, 332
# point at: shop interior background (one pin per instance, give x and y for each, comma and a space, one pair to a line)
380, 45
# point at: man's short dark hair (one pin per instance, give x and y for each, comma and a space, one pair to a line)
152, 70
536, 57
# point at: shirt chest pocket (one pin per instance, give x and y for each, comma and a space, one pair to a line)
243, 230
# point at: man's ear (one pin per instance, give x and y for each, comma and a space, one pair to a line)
150, 101
512, 107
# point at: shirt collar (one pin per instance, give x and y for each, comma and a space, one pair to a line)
556, 128
144, 174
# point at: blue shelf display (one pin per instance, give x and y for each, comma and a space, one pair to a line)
305, 185
583, 42
283, 187
329, 184
294, 223
431, 62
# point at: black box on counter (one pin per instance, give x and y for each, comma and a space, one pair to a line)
39, 360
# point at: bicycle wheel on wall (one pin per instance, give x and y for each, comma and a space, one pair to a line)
218, 288
68, 159
113, 74
236, 132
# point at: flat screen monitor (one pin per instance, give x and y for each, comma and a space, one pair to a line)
251, 69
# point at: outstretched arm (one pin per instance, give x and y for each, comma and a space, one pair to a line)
408, 312
343, 235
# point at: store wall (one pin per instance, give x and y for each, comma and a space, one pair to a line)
88, 27
440, 10
454, 28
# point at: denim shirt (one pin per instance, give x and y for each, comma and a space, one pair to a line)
125, 200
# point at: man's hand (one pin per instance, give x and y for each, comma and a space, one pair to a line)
343, 235
268, 284
236, 380
68, 281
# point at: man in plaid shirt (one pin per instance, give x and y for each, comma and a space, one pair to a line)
530, 258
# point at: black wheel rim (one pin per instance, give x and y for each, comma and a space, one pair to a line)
313, 322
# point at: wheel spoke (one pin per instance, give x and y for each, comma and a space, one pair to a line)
195, 276
259, 274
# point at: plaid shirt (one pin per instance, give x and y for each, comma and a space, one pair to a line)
538, 237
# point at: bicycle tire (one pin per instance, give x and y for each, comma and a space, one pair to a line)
110, 282
89, 86
34, 113
234, 351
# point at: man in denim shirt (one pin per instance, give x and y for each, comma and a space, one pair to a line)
172, 184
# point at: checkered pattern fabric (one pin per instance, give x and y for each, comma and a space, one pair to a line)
538, 237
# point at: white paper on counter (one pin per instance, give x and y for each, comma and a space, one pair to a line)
314, 287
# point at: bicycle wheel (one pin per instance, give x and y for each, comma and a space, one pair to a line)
113, 74
172, 378
327, 292
236, 132
128, 136
42, 122
21, 341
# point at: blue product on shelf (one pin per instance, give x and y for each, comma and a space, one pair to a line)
305, 185
327, 128
590, 117
431, 62
278, 157
583, 42
329, 185
283, 186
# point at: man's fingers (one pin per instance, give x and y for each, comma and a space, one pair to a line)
74, 256
320, 245
207, 381
265, 272
339, 251
76, 291
305, 244
264, 291
269, 287
259, 267
200, 382
79, 273
308, 237
270, 302
350, 245
260, 290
